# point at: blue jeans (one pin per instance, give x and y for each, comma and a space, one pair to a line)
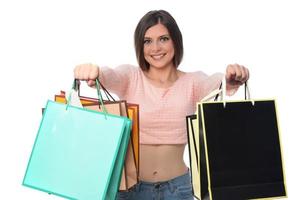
179, 188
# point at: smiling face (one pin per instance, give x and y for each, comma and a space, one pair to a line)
158, 47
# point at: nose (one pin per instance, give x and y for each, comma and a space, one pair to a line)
156, 46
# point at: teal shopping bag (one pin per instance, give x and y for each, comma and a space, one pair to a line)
78, 153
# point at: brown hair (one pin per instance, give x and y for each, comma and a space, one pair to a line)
150, 19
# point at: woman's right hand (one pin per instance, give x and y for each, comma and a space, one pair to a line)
87, 72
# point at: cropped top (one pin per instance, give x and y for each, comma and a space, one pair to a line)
162, 111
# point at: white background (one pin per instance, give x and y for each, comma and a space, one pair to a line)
42, 41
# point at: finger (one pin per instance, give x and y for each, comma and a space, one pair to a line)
80, 72
230, 72
244, 74
248, 74
94, 73
238, 72
91, 83
85, 72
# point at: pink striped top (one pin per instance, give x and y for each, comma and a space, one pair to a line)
162, 110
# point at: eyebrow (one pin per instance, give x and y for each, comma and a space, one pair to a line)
166, 35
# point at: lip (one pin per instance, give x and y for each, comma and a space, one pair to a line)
158, 56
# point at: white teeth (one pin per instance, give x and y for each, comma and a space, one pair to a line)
157, 57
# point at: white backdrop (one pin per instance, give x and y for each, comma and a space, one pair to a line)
42, 41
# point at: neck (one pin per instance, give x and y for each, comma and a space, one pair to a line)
162, 76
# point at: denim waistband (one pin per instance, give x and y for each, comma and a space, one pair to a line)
171, 184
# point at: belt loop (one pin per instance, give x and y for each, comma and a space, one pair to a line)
171, 186
137, 187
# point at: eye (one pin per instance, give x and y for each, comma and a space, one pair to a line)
164, 39
147, 41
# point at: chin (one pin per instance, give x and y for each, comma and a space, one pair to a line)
159, 66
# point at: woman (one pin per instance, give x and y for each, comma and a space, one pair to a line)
165, 96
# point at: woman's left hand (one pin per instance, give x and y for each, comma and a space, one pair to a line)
236, 75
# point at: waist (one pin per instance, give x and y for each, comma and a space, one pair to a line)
161, 162
182, 179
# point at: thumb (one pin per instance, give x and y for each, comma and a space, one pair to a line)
91, 83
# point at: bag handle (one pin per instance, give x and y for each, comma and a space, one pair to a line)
75, 87
221, 92
223, 88
107, 94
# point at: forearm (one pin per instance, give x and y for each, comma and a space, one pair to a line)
117, 79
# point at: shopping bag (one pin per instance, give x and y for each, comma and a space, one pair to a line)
235, 149
78, 153
132, 156
133, 114
130, 170
122, 108
193, 147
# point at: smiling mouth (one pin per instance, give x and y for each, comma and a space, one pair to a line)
158, 57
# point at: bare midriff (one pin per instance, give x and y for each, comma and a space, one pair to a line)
161, 162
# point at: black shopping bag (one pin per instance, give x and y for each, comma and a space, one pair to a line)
239, 153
